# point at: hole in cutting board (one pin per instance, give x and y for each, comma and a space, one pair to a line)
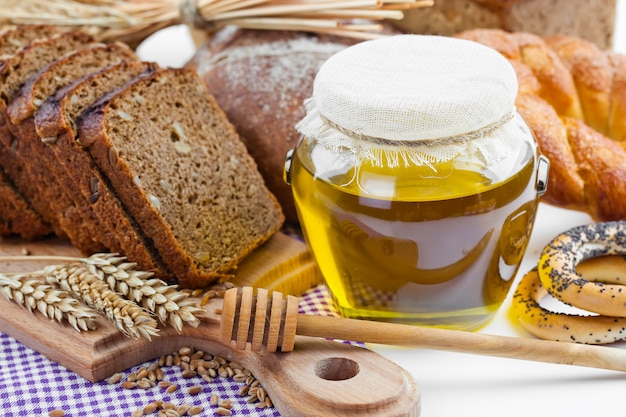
336, 369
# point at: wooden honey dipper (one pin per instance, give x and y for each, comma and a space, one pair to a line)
253, 321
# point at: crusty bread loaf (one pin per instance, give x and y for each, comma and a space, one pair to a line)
15, 71
91, 235
261, 79
182, 172
572, 95
593, 20
55, 122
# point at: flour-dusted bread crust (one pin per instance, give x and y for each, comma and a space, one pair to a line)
55, 122
83, 227
182, 172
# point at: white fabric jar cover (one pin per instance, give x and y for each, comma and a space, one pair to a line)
432, 97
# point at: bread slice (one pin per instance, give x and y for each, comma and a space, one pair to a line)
19, 218
83, 228
56, 127
15, 70
181, 171
14, 38
4, 228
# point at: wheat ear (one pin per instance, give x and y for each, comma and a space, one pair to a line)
127, 316
51, 302
165, 301
168, 304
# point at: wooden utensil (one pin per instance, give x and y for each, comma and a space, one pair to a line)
254, 321
321, 378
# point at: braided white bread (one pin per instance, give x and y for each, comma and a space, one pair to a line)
573, 96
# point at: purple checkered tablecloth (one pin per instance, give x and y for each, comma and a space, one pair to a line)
31, 385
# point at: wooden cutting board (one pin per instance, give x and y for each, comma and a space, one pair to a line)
320, 377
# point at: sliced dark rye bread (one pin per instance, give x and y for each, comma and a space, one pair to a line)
15, 37
19, 217
87, 234
55, 124
15, 70
5, 230
182, 172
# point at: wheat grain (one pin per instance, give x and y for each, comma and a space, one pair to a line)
115, 378
196, 389
51, 302
223, 411
195, 410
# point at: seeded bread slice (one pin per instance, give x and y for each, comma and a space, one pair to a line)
55, 124
5, 230
15, 70
14, 38
19, 218
84, 229
182, 172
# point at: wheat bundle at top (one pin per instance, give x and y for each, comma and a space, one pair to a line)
132, 21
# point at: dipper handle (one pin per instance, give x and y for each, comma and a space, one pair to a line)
256, 321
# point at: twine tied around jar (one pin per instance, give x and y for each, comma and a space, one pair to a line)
481, 143
421, 152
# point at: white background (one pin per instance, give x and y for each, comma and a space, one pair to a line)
468, 385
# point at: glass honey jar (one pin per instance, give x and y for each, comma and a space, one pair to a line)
416, 181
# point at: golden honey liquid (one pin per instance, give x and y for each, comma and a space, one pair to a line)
415, 245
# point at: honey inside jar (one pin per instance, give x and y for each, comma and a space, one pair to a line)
435, 245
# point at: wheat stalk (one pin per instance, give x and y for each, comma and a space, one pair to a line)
128, 317
132, 21
51, 302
